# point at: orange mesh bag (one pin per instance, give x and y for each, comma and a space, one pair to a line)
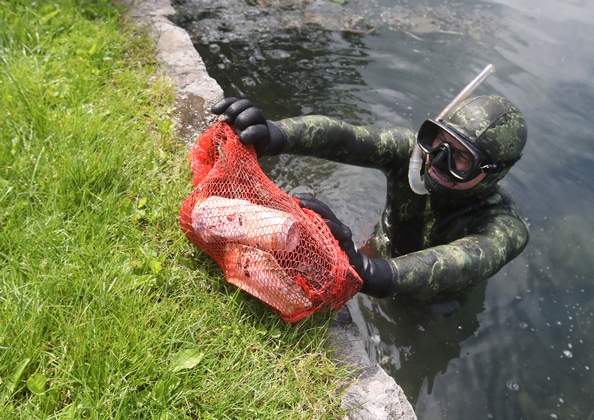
265, 243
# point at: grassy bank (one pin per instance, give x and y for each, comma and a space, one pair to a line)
105, 309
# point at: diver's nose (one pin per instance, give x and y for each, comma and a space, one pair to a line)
440, 160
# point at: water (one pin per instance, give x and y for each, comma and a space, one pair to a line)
520, 346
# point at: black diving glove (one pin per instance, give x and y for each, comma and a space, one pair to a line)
252, 127
377, 274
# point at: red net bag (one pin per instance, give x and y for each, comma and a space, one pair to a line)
264, 242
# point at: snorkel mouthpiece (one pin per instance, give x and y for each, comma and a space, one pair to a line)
414, 172
415, 179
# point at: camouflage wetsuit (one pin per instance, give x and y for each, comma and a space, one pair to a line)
434, 244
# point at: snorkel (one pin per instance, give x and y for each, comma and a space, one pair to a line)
415, 179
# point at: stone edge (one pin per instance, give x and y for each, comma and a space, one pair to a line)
373, 394
196, 91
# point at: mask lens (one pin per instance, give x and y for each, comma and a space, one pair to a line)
427, 134
462, 161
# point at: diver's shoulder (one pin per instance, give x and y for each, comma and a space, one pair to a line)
500, 199
501, 203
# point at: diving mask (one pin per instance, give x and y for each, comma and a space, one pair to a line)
452, 153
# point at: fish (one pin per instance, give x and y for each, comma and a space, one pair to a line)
258, 273
218, 219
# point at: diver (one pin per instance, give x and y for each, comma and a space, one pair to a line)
447, 224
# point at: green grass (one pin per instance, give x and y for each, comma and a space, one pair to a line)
106, 311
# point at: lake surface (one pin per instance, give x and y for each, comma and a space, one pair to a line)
520, 346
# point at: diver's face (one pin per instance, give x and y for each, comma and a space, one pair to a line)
461, 160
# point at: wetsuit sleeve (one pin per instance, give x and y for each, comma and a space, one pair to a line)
491, 244
331, 139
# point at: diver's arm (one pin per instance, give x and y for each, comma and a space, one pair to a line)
331, 139
495, 239
318, 136
448, 268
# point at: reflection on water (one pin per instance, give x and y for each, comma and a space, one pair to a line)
520, 345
